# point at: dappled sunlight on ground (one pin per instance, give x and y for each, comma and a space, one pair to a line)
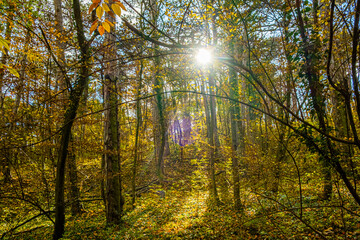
190, 212
171, 215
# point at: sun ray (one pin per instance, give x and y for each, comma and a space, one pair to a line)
204, 56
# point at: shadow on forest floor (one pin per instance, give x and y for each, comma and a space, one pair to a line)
186, 215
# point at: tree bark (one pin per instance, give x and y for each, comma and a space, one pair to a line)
234, 121
76, 207
311, 73
61, 86
158, 107
113, 189
213, 135
59, 26
137, 130
70, 114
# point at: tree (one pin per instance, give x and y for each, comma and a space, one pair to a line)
111, 135
158, 107
268, 128
70, 115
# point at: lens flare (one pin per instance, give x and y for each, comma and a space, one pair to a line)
203, 56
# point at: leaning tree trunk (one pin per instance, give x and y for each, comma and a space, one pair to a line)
70, 115
61, 86
329, 153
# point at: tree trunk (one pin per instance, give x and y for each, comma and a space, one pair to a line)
234, 121
159, 121
70, 114
158, 107
138, 124
61, 86
5, 55
207, 111
112, 160
6, 154
213, 135
311, 72
76, 207
113, 189
59, 26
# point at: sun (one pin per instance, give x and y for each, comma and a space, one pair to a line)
203, 56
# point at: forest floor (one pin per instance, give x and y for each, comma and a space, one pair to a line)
187, 215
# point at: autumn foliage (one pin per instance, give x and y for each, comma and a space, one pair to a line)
179, 119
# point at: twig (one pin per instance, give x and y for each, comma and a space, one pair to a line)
22, 224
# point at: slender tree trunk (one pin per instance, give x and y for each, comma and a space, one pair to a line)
62, 85
159, 121
6, 155
213, 134
234, 121
213, 189
5, 55
318, 102
138, 124
210, 135
59, 26
279, 158
207, 112
354, 62
70, 114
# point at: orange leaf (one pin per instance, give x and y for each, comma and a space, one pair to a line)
93, 26
96, 1
101, 30
92, 7
111, 14
121, 5
110, 23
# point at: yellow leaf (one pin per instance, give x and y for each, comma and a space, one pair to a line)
106, 7
101, 30
121, 5
13, 72
106, 26
99, 12
116, 8
4, 44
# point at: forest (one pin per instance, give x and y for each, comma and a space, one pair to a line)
179, 119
